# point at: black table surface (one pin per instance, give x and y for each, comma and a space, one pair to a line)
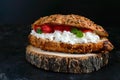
13, 65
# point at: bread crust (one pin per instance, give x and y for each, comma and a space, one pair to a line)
67, 64
45, 44
71, 20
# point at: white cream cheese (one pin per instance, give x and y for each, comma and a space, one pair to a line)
68, 37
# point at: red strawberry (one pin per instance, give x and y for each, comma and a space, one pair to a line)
36, 27
86, 30
58, 27
46, 28
67, 28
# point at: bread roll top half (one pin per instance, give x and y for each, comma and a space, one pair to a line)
77, 21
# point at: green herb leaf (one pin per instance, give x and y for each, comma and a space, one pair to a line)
39, 31
77, 32
74, 30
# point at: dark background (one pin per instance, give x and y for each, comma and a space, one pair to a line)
16, 16
104, 12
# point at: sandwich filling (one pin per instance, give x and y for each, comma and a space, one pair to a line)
65, 34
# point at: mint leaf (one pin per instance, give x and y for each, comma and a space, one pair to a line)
77, 32
74, 30
39, 31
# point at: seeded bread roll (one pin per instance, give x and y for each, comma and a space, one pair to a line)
62, 62
45, 44
72, 20
76, 51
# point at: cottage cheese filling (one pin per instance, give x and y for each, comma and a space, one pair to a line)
68, 37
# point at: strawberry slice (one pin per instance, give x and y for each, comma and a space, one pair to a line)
36, 27
46, 28
58, 27
86, 30
67, 28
